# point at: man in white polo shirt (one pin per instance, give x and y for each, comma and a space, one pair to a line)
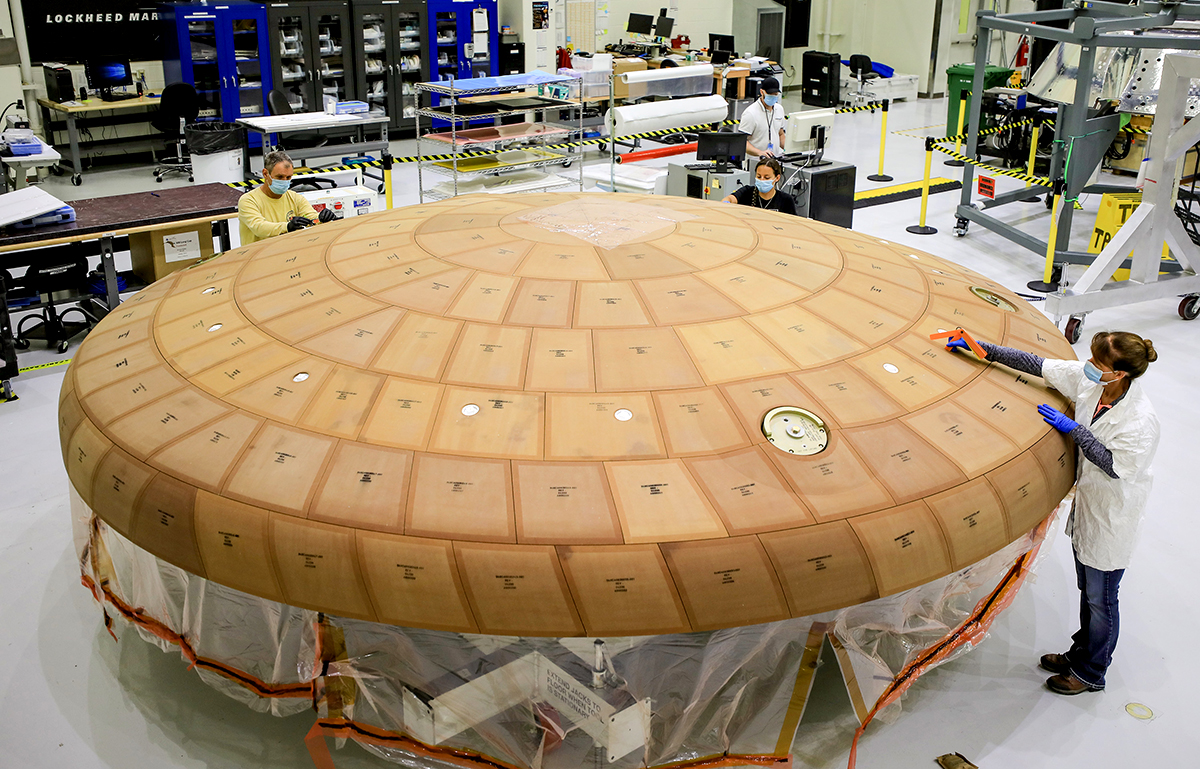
763, 121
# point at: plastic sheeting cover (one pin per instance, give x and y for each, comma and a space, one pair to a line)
443, 699
607, 225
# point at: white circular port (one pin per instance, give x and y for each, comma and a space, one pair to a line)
215, 327
623, 415
891, 368
303, 375
470, 410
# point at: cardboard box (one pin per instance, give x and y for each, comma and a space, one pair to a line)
1137, 150
621, 90
159, 253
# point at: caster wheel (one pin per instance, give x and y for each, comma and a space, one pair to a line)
77, 180
191, 178
960, 227
567, 164
55, 171
21, 344
62, 347
1189, 308
1074, 330
158, 179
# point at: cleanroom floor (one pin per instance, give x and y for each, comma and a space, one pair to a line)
72, 697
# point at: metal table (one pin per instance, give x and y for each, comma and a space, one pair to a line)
273, 128
74, 110
22, 163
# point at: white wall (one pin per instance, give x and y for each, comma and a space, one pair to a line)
10, 74
695, 18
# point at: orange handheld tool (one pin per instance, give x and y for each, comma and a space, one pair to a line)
959, 333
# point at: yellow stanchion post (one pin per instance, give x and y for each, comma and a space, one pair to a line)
1048, 283
387, 180
881, 176
919, 228
962, 117
1033, 143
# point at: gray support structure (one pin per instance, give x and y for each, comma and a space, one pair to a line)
1092, 26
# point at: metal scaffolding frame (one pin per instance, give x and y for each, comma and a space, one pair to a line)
1090, 25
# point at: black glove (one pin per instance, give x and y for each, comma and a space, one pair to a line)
298, 223
326, 215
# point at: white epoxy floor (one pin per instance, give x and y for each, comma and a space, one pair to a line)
71, 697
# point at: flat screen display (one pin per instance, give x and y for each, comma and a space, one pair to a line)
108, 73
641, 24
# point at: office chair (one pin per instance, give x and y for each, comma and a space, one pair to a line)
46, 279
862, 69
178, 106
277, 104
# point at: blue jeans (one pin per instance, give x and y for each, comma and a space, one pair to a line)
1092, 647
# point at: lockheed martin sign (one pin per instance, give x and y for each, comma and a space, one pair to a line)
78, 29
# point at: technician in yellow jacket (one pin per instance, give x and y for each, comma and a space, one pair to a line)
271, 208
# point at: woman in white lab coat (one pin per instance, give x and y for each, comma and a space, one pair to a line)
1117, 435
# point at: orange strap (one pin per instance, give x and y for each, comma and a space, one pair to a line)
971, 631
956, 335
141, 619
339, 727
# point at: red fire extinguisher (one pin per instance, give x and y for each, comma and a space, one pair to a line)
1022, 53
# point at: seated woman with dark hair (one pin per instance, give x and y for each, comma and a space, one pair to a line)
765, 193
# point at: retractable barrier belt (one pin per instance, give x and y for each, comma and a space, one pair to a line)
559, 146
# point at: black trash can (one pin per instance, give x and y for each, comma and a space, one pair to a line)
216, 150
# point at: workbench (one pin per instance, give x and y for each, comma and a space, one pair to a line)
72, 112
105, 219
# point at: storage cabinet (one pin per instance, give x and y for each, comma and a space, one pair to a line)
391, 54
312, 52
223, 51
465, 37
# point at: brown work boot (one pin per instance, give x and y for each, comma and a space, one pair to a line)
1068, 684
1055, 663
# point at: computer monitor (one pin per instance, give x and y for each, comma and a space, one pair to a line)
720, 58
640, 23
808, 130
663, 26
106, 73
720, 42
726, 148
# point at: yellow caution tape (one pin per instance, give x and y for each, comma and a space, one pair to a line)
870, 106
46, 365
1014, 173
300, 173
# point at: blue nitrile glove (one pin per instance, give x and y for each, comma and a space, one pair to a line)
1056, 419
958, 344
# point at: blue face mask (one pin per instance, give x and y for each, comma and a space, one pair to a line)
280, 186
764, 186
771, 99
1096, 375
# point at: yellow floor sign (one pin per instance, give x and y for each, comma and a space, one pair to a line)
1115, 210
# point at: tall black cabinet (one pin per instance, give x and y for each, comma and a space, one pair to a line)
312, 51
391, 54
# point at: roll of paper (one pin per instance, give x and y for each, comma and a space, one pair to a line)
667, 73
665, 115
